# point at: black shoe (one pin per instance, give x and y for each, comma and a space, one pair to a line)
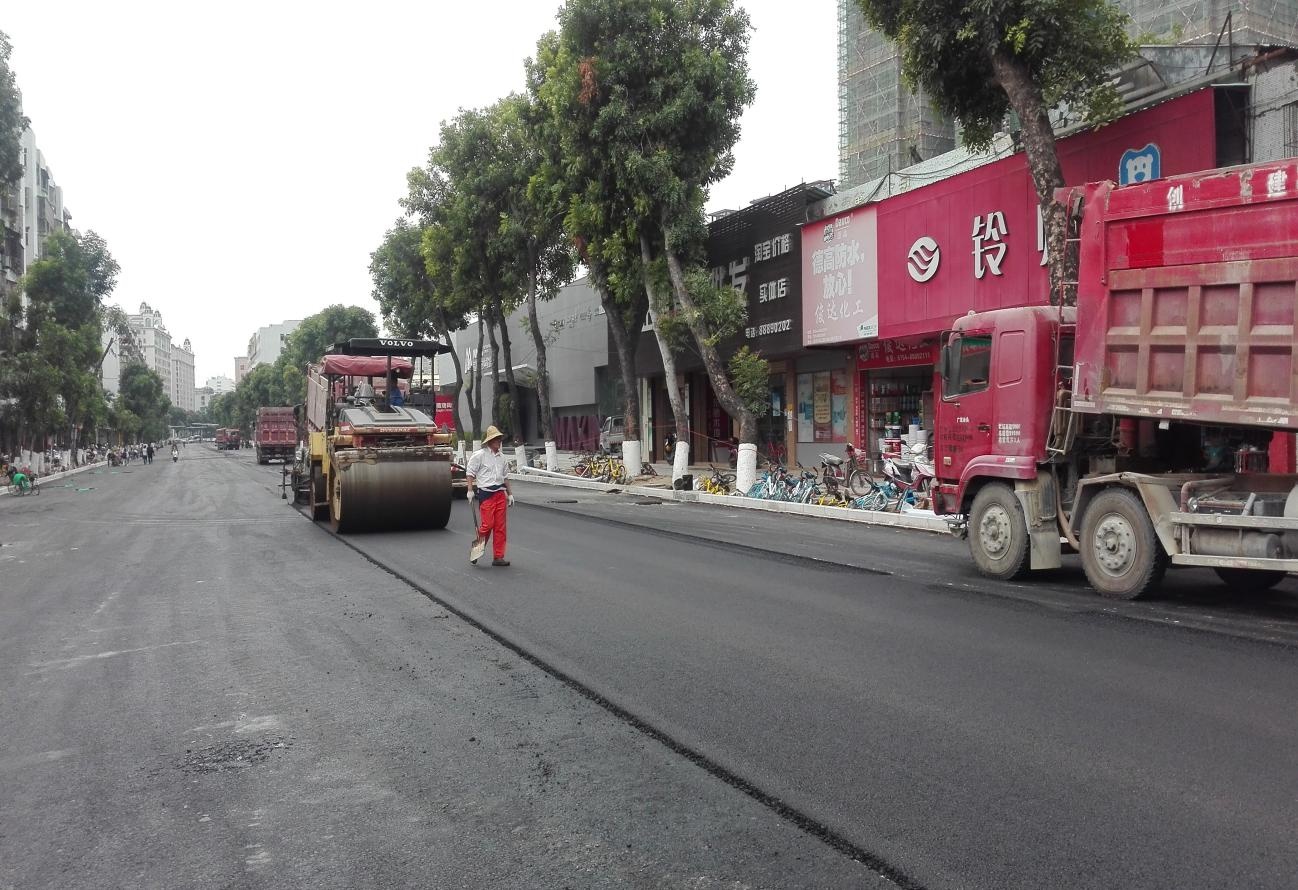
500, 562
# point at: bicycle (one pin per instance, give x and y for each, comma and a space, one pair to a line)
717, 483
26, 486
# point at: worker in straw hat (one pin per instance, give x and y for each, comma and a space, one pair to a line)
489, 487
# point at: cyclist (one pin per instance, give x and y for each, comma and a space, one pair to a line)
21, 481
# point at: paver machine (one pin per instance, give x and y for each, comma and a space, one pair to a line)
369, 464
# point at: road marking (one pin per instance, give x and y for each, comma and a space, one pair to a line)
82, 659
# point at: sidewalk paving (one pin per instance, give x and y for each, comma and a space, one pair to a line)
659, 486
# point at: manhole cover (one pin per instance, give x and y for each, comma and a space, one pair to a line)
231, 755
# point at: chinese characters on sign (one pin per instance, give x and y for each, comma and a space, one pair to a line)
988, 257
896, 353
840, 285
772, 247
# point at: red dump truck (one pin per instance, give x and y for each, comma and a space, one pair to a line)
275, 435
1151, 424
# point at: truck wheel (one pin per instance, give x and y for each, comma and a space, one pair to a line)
319, 496
998, 533
1121, 554
1250, 580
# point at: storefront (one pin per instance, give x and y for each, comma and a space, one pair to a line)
887, 278
758, 252
895, 380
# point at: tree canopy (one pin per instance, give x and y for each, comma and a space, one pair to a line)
12, 121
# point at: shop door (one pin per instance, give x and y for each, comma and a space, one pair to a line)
965, 413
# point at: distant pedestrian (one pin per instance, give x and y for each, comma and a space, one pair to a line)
488, 483
148, 452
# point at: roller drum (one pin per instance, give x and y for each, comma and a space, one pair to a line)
370, 496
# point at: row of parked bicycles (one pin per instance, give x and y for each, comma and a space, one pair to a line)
841, 482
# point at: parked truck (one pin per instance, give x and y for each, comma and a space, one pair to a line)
1150, 424
275, 435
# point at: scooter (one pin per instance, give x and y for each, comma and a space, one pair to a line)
911, 473
175, 455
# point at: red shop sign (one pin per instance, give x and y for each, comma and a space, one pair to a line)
896, 354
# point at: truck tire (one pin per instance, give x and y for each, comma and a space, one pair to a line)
319, 495
260, 459
998, 533
1250, 580
1122, 556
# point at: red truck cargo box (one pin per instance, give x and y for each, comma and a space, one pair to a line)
1187, 295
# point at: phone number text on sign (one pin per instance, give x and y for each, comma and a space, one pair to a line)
771, 327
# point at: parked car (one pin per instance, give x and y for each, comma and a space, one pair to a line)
612, 432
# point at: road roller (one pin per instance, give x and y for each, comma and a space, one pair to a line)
369, 462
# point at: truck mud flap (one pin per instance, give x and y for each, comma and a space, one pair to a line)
1040, 504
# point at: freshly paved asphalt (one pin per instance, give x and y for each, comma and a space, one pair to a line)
736, 704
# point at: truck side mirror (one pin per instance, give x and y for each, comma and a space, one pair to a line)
944, 362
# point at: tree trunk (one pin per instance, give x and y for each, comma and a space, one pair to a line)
626, 339
475, 389
1043, 164
443, 330
538, 339
515, 415
679, 415
716, 368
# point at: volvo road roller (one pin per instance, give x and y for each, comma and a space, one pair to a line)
369, 462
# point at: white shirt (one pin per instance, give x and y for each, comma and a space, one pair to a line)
488, 469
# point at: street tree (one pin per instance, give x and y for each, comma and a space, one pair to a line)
977, 62
577, 174
411, 303
141, 393
661, 85
310, 339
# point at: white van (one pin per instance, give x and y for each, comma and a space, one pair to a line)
611, 433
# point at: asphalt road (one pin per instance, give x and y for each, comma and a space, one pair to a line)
716, 688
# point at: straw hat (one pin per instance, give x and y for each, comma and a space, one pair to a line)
491, 433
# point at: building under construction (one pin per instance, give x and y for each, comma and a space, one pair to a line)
884, 127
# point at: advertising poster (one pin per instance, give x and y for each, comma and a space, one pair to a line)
840, 278
823, 411
838, 404
803, 409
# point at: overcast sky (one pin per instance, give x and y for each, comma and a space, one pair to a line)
243, 159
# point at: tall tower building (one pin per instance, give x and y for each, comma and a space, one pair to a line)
885, 127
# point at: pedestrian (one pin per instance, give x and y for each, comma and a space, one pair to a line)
488, 483
149, 454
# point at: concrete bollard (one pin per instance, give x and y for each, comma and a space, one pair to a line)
520, 455
552, 456
746, 467
680, 460
631, 457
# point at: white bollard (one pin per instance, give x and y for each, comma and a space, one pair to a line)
520, 455
631, 457
746, 467
477, 444
680, 460
552, 456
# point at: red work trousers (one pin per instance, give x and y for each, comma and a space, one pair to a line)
493, 522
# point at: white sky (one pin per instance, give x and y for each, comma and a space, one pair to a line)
243, 159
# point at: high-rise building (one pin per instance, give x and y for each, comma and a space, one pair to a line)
241, 367
884, 127
220, 384
182, 376
173, 363
30, 212
267, 343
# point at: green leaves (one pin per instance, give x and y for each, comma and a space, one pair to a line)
12, 121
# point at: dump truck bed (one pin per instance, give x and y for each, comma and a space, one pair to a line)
1187, 296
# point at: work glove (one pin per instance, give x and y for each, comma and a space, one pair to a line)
509, 499
472, 495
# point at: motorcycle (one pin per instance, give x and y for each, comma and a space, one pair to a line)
911, 473
175, 455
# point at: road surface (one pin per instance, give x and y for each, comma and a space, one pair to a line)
209, 690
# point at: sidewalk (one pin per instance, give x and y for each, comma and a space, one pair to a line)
62, 474
659, 486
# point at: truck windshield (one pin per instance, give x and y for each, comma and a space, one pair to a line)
972, 366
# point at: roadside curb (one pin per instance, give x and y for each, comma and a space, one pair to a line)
62, 474
841, 514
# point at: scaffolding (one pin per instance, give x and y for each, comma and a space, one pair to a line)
883, 126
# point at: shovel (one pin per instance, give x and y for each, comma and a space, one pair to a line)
479, 547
